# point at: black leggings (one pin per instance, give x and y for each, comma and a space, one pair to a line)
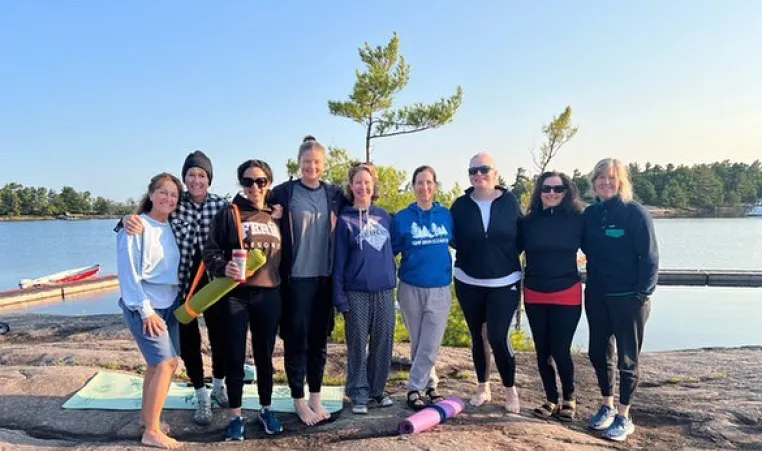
215, 318
620, 320
307, 322
553, 328
258, 310
496, 307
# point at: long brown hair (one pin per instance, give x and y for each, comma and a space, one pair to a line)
145, 205
572, 203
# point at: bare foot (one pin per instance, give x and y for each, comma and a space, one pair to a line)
164, 426
304, 412
512, 404
483, 395
317, 406
158, 439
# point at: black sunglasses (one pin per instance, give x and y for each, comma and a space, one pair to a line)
482, 169
248, 182
555, 188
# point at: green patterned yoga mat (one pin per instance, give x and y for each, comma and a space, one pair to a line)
117, 391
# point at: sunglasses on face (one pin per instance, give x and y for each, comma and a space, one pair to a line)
558, 189
248, 182
484, 170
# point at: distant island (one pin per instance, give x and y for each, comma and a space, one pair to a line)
704, 190
19, 202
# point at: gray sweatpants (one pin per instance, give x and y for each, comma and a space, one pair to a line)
425, 311
369, 314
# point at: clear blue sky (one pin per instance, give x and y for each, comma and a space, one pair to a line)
102, 95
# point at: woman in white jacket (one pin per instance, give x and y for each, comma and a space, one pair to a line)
147, 267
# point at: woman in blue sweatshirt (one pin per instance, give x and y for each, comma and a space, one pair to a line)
487, 273
622, 270
551, 235
422, 233
363, 283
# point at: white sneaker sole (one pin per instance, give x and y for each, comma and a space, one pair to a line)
603, 426
621, 438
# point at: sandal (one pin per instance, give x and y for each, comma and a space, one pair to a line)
568, 411
414, 400
434, 397
545, 411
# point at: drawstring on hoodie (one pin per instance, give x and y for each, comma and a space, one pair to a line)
363, 225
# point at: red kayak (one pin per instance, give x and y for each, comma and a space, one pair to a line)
72, 275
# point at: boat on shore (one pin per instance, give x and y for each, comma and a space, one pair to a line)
63, 277
756, 210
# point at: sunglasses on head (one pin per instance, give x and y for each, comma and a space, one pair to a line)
248, 182
484, 170
555, 188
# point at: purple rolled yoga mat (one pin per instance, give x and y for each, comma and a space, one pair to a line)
419, 421
449, 407
452, 405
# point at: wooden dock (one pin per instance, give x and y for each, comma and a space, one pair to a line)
708, 278
60, 291
673, 277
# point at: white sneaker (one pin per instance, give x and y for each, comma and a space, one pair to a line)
203, 414
220, 396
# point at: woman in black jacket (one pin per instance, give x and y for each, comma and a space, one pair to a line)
487, 272
551, 235
622, 271
310, 210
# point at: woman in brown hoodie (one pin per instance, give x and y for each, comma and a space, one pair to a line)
256, 304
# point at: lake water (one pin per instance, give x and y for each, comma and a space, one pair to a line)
681, 317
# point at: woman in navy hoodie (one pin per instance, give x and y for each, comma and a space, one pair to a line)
551, 235
363, 281
310, 211
422, 233
622, 270
487, 273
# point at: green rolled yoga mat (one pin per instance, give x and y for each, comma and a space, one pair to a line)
118, 391
217, 288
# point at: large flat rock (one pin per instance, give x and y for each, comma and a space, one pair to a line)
703, 399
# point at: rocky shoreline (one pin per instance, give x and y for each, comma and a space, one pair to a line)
694, 399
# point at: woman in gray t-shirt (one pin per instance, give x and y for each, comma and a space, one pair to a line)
310, 208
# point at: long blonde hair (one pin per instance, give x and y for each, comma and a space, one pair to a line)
621, 172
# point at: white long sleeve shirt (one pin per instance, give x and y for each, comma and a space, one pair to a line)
147, 267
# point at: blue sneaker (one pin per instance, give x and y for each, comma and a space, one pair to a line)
270, 422
235, 430
620, 429
603, 419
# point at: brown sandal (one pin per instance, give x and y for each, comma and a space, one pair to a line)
568, 411
545, 411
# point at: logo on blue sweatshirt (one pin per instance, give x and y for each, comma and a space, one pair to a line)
373, 233
424, 235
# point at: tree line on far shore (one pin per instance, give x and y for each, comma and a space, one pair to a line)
20, 200
702, 187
